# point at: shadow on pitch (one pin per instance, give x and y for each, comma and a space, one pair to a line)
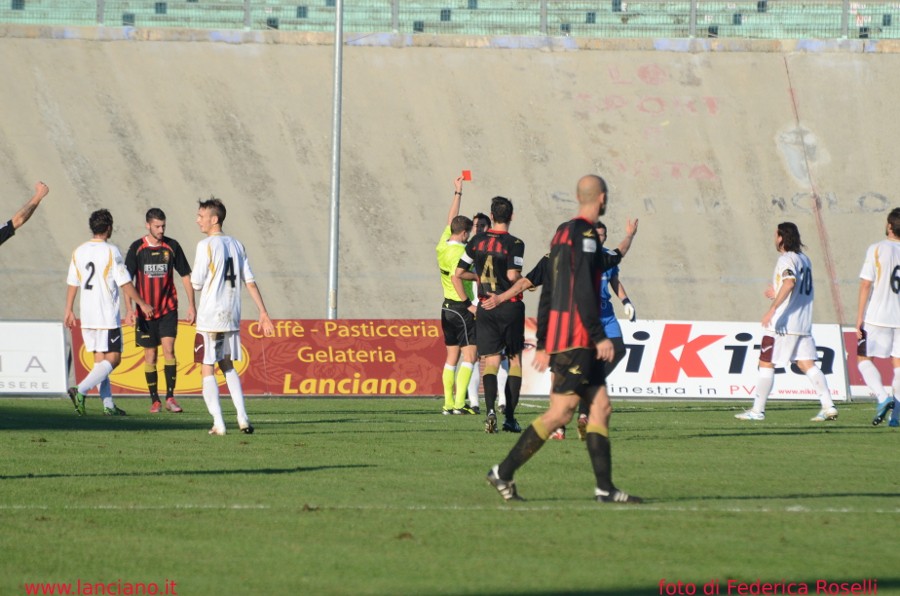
773, 497
247, 471
62, 417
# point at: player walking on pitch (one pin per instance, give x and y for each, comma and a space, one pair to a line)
878, 317
788, 326
220, 267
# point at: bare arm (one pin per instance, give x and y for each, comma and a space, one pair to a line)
24, 214
494, 300
630, 230
189, 293
457, 199
264, 321
69, 317
457, 280
865, 290
130, 292
786, 288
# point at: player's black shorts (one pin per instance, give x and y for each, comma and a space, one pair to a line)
501, 327
574, 371
149, 334
458, 324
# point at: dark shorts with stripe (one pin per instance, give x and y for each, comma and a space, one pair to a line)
577, 371
501, 328
458, 324
149, 334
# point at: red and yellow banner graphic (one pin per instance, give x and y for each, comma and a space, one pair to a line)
307, 357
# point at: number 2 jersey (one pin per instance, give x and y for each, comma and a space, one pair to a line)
794, 315
98, 270
220, 267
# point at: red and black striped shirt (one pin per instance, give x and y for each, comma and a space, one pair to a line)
151, 270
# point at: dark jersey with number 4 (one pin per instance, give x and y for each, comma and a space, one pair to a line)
151, 269
494, 254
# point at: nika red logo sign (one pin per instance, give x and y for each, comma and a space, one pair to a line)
678, 352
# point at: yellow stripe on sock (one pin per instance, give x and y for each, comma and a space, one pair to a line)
490, 370
599, 429
539, 428
149, 367
515, 371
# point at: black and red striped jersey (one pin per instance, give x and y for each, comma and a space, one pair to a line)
495, 253
151, 269
569, 310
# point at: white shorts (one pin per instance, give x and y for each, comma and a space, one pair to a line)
880, 342
782, 350
212, 346
102, 340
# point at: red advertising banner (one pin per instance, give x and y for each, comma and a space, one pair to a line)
307, 357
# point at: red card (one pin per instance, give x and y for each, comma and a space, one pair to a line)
467, 174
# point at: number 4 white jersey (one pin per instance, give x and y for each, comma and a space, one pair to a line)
882, 268
794, 316
97, 268
220, 267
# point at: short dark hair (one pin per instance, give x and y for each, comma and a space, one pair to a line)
501, 210
481, 217
894, 220
460, 223
601, 226
155, 213
216, 206
790, 237
100, 221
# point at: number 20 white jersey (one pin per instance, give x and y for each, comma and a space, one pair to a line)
882, 268
220, 267
97, 268
794, 316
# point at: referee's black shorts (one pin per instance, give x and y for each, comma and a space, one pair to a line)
501, 328
458, 324
149, 334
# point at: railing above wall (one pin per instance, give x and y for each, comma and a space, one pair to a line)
749, 19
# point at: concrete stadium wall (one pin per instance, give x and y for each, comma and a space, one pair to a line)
710, 144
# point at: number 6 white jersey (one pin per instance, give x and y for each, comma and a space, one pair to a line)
882, 268
794, 316
97, 268
220, 267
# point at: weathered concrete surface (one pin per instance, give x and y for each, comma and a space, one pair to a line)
709, 144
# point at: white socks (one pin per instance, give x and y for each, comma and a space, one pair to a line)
211, 397
474, 382
872, 378
233, 380
820, 383
100, 372
763, 388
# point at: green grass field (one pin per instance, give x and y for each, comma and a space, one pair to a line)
388, 497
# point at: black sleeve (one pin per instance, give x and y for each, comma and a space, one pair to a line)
543, 316
538, 275
181, 262
131, 258
607, 260
7, 231
585, 295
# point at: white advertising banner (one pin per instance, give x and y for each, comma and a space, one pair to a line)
32, 358
704, 359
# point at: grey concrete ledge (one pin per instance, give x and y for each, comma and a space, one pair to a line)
403, 40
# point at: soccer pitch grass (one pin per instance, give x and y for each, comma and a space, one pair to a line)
341, 496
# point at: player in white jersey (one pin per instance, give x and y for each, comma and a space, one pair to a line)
878, 317
98, 270
220, 267
788, 326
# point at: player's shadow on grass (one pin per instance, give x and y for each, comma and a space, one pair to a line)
242, 471
770, 497
66, 419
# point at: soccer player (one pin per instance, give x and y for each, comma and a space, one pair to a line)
98, 271
878, 317
457, 312
498, 258
150, 261
788, 325
8, 229
220, 267
480, 223
571, 337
